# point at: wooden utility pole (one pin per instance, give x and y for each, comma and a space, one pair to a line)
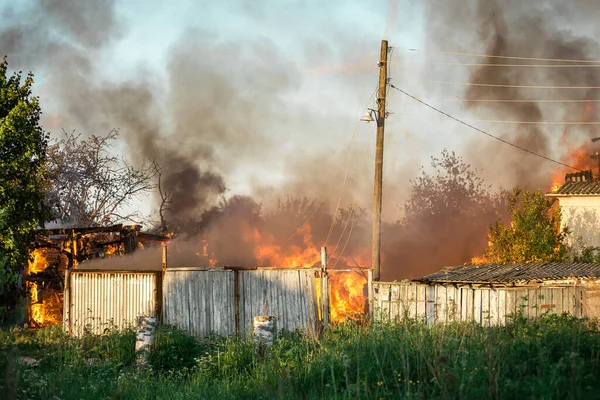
377, 198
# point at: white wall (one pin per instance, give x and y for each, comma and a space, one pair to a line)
582, 215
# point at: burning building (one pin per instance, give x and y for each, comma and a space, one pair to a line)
56, 250
579, 198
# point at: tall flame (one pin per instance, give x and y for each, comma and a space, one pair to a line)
45, 307
347, 298
577, 155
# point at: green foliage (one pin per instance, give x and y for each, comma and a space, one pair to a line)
533, 233
552, 356
174, 349
587, 254
22, 154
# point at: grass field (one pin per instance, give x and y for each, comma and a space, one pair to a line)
552, 357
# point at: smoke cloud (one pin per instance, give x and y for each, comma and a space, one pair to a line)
522, 29
218, 110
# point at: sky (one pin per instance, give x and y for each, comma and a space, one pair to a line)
294, 78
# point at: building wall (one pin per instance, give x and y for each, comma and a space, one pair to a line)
582, 215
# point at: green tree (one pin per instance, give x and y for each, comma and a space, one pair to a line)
533, 233
22, 155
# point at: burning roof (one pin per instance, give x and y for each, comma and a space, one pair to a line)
56, 250
578, 183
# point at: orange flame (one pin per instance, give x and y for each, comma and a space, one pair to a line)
212, 260
38, 262
111, 249
479, 260
267, 252
45, 307
348, 298
577, 155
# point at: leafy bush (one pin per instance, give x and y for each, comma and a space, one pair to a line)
174, 348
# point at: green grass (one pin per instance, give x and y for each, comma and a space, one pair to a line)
552, 357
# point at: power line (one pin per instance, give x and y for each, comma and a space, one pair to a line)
501, 65
353, 212
512, 121
510, 86
297, 230
458, 53
350, 217
346, 173
520, 100
484, 132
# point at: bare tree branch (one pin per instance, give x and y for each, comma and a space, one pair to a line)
165, 198
91, 186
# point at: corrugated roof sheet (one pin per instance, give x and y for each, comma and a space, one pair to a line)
512, 273
579, 183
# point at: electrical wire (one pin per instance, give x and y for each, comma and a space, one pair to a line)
320, 204
510, 121
337, 207
347, 241
409, 63
350, 217
458, 53
297, 230
519, 100
509, 86
484, 132
356, 191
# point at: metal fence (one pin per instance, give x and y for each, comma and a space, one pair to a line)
223, 301
485, 305
96, 300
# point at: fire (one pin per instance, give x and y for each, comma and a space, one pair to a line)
348, 298
38, 262
111, 249
212, 260
267, 252
45, 307
479, 260
577, 156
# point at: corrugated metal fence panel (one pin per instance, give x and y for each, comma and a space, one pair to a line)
98, 300
288, 294
484, 305
224, 302
201, 302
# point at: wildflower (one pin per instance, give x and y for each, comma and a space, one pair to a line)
379, 383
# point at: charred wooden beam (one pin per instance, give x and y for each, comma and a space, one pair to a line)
98, 229
153, 237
